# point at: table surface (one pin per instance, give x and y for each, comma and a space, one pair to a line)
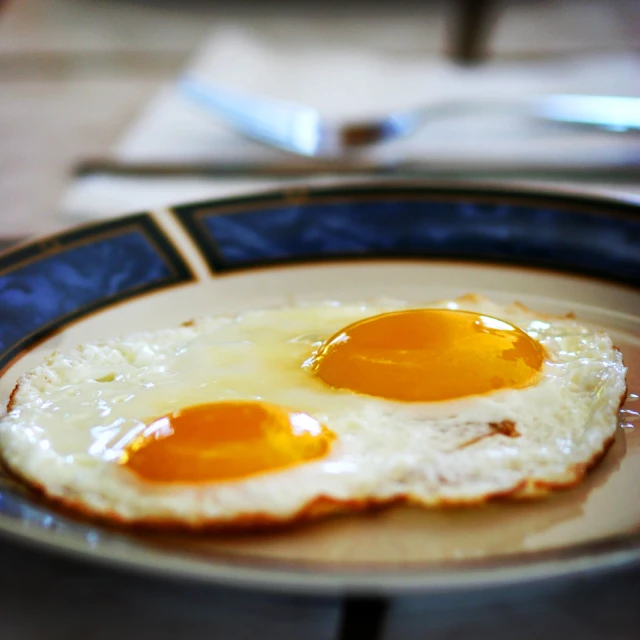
74, 74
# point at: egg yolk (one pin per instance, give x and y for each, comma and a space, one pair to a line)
225, 440
428, 355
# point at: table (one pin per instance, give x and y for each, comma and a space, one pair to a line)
45, 597
74, 74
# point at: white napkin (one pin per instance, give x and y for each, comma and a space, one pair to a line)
348, 82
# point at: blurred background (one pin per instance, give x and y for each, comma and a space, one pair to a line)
92, 78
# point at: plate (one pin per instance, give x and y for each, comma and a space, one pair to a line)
556, 252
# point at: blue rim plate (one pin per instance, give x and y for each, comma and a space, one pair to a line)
555, 251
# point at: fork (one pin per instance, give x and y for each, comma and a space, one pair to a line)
304, 131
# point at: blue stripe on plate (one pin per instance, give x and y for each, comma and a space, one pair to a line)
571, 240
71, 274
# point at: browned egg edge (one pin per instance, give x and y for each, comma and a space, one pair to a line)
319, 507
316, 509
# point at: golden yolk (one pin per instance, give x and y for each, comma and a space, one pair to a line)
428, 355
225, 440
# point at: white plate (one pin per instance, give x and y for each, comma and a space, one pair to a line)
552, 252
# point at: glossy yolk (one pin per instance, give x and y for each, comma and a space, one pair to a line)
428, 355
225, 440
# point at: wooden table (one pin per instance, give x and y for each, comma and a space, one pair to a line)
73, 74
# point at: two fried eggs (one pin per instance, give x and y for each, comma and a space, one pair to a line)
282, 414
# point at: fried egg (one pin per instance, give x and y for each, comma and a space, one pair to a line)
281, 414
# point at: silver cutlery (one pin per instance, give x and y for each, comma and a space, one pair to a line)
309, 167
304, 131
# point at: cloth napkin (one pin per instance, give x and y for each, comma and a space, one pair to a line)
352, 82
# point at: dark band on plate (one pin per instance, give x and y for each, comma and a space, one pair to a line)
50, 282
587, 236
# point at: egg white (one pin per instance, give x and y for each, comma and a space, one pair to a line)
71, 418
